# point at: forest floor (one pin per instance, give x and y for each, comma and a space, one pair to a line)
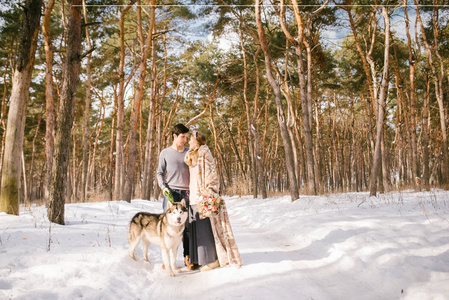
338, 246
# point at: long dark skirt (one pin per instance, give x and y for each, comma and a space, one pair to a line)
201, 241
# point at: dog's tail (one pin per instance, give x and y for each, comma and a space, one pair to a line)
135, 227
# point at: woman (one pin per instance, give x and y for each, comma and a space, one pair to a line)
212, 242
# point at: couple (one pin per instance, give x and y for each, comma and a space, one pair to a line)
189, 173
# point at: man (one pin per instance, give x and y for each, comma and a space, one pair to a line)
173, 177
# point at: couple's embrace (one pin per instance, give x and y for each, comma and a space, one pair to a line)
190, 174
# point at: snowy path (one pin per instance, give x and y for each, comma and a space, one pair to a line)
296, 254
327, 247
269, 260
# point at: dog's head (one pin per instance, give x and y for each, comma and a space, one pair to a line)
177, 213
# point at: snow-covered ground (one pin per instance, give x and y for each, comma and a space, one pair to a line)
342, 246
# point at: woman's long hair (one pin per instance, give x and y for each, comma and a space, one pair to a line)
191, 158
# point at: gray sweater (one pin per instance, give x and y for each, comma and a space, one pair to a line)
172, 171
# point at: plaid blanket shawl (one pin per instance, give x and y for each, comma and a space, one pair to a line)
208, 181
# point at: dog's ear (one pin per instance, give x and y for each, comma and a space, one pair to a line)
183, 202
169, 204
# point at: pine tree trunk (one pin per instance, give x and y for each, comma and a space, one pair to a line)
413, 62
262, 180
111, 152
33, 155
365, 64
50, 102
306, 116
438, 81
71, 71
3, 118
280, 112
149, 149
69, 192
291, 112
385, 169
159, 123
145, 48
249, 140
11, 168
305, 87
74, 182
318, 149
402, 117
92, 183
368, 67
425, 129
119, 157
377, 160
84, 175
442, 111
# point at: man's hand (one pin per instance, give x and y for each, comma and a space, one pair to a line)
167, 193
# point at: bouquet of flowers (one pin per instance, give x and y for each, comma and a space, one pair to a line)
209, 205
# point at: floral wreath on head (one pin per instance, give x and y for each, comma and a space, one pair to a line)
209, 205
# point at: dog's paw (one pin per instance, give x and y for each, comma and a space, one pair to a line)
177, 271
133, 256
171, 272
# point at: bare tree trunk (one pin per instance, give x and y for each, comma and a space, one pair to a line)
305, 87
377, 160
440, 100
354, 150
413, 62
438, 79
141, 165
280, 112
149, 149
71, 71
145, 49
119, 157
91, 174
368, 67
50, 102
84, 176
252, 159
425, 129
69, 193
347, 7
233, 143
3, 118
11, 169
24, 190
33, 155
255, 132
401, 108
291, 115
74, 182
159, 124
306, 116
111, 152
385, 170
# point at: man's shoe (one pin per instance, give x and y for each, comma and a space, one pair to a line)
188, 264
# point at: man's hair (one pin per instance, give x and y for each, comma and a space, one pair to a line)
179, 129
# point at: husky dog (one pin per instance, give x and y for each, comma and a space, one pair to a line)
164, 230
